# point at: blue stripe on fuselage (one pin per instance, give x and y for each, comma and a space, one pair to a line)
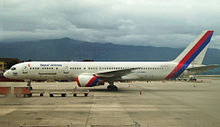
94, 82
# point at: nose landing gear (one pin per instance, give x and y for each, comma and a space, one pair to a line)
29, 85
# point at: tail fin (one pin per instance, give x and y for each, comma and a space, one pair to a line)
192, 51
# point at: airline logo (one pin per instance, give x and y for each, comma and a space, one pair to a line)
190, 56
50, 65
15, 73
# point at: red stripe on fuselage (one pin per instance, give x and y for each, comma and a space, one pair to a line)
189, 54
77, 80
91, 81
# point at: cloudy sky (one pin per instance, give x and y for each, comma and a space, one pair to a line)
170, 23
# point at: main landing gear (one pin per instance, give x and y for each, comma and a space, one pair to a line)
29, 85
112, 87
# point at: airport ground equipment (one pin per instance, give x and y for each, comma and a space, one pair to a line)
37, 91
22, 91
5, 90
82, 92
61, 92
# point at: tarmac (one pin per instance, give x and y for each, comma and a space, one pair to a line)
136, 104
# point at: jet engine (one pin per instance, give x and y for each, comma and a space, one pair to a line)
87, 80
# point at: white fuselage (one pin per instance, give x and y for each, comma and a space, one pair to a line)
70, 70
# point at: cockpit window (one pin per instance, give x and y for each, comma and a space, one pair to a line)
13, 68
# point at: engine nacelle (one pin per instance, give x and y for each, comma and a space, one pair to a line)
87, 80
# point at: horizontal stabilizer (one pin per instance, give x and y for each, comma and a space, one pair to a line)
203, 68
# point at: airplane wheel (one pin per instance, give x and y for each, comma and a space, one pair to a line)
109, 88
63, 95
112, 88
115, 88
30, 95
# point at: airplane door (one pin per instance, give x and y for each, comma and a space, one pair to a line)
66, 70
25, 71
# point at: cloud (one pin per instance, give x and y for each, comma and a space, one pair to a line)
158, 23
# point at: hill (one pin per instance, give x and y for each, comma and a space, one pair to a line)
70, 49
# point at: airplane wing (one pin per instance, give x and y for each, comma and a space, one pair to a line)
115, 73
203, 68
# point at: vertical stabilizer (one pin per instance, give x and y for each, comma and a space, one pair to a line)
195, 47
191, 53
199, 59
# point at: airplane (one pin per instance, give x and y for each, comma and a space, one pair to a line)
89, 74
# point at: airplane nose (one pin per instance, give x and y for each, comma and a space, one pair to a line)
5, 74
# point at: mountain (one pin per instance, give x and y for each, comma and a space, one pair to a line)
70, 49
